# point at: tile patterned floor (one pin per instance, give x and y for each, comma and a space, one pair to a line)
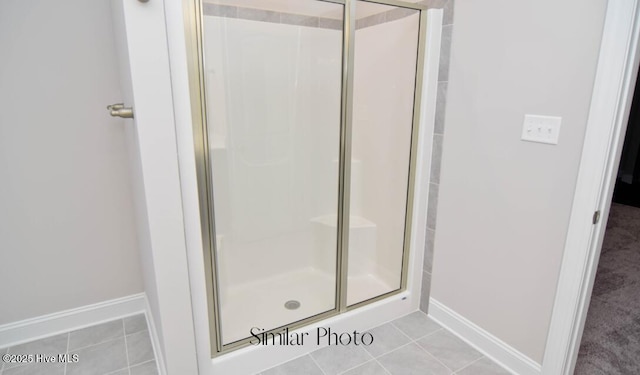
119, 347
413, 344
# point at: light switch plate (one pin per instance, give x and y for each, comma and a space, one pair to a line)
542, 129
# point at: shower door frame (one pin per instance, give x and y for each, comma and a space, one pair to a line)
193, 18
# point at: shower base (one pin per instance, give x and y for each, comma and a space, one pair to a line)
261, 303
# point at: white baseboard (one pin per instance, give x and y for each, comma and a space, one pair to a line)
155, 340
69, 320
491, 346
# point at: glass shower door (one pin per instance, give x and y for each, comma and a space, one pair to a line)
386, 50
272, 76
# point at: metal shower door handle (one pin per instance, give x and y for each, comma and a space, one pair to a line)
119, 110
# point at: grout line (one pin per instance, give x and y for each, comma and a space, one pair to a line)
67, 352
292, 359
381, 365
143, 363
436, 358
126, 348
356, 366
3, 366
428, 334
100, 343
68, 333
419, 338
470, 363
398, 348
411, 341
115, 371
398, 328
415, 341
316, 362
138, 332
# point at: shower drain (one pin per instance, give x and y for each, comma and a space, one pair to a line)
292, 305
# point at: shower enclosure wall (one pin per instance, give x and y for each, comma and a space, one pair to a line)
306, 128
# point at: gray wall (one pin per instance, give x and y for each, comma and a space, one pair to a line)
67, 235
438, 136
504, 204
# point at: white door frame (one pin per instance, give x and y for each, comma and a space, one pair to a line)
610, 105
145, 69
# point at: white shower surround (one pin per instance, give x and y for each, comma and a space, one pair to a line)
292, 156
266, 162
252, 359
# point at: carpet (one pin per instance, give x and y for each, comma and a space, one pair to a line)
611, 340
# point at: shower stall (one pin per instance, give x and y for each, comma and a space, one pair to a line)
306, 128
